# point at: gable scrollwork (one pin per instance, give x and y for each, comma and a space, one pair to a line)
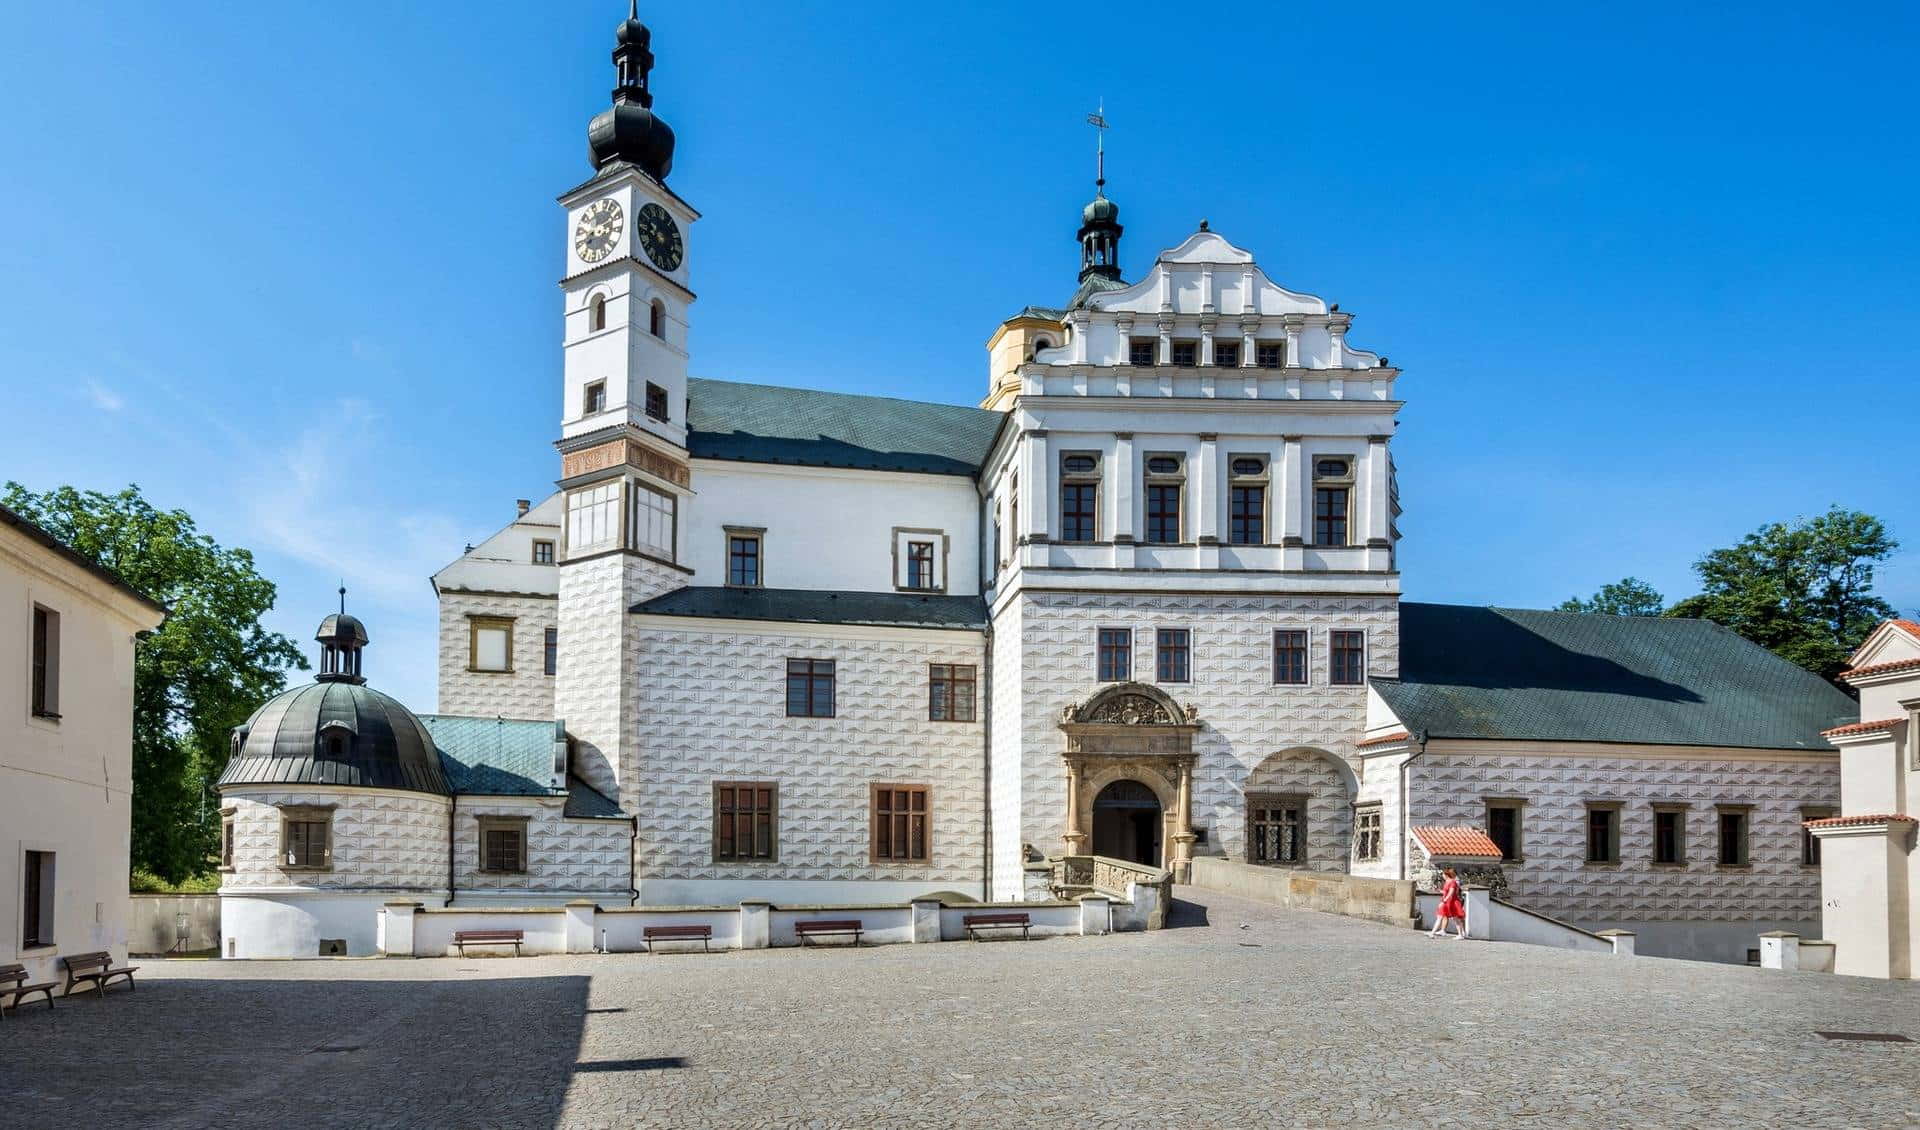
1130, 704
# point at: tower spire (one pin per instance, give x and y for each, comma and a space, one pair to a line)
1098, 120
1100, 220
628, 130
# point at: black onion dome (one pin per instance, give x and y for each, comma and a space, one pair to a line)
628, 131
342, 628
335, 733
634, 32
1100, 211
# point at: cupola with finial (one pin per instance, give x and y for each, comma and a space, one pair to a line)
1100, 219
341, 638
629, 130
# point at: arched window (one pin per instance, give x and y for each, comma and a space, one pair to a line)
597, 312
657, 319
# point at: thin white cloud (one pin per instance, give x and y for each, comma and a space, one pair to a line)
103, 397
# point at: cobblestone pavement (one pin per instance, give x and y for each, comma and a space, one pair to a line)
1244, 1014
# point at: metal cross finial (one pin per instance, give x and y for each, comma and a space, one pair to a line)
1098, 120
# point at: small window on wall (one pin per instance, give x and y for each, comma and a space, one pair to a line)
1366, 833
1247, 501
919, 560
226, 839
1810, 843
1186, 354
657, 320
743, 558
1276, 831
551, 648
900, 824
920, 565
1669, 835
1332, 496
306, 838
594, 399
1504, 828
951, 692
1165, 483
593, 518
1603, 833
1172, 655
597, 313
1116, 655
1733, 822
1270, 354
543, 553
1143, 351
503, 845
810, 688
46, 663
489, 644
1347, 659
1290, 657
37, 900
1079, 496
1226, 354
656, 402
746, 821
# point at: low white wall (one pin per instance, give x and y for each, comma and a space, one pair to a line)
1491, 920
1726, 942
433, 929
153, 924
884, 925
620, 931
291, 924
1046, 919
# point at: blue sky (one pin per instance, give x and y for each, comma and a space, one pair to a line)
1649, 269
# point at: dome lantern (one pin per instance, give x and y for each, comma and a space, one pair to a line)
341, 637
629, 130
1100, 219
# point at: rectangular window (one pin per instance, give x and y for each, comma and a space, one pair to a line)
1366, 833
743, 560
809, 688
226, 840
550, 647
1810, 843
305, 838
595, 399
1077, 502
1347, 659
746, 820
1733, 837
1603, 834
950, 694
1116, 655
1246, 515
656, 401
1163, 513
593, 518
543, 553
1290, 657
1172, 655
1276, 828
919, 564
37, 900
653, 521
1226, 354
1669, 835
1143, 351
900, 824
1330, 516
1503, 828
1186, 354
489, 644
46, 663
503, 845
1270, 354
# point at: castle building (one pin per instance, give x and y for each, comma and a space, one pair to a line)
1143, 602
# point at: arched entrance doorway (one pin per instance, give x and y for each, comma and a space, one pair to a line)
1127, 823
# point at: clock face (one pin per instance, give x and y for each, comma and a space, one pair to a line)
659, 237
598, 231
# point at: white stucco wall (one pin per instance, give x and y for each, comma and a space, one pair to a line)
708, 702
854, 551
65, 785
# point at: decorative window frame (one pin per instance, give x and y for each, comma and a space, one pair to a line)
1519, 807
813, 676
1377, 811
1278, 798
973, 700
1263, 480
485, 822
757, 534
903, 537
291, 814
1160, 644
1081, 478
1316, 482
1744, 811
1366, 646
1125, 676
1680, 808
1306, 657
1618, 808
1153, 348
773, 823
488, 621
1177, 479
873, 825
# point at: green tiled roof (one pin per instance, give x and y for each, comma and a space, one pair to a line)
1468, 672
810, 606
769, 424
507, 757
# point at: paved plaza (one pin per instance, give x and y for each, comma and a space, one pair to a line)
1244, 1014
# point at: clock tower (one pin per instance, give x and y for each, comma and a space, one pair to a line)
623, 412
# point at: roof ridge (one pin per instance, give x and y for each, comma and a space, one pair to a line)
848, 395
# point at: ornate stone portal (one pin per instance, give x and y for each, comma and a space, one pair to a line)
1132, 732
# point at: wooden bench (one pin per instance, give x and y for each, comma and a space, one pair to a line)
824, 927
652, 934
1006, 920
464, 938
14, 988
96, 969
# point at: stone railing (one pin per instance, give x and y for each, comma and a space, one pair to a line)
1118, 878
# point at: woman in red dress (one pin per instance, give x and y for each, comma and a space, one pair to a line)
1451, 906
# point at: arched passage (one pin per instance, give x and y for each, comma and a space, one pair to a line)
1128, 823
1299, 811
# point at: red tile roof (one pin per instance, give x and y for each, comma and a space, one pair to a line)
1455, 841
1386, 739
1882, 668
1843, 821
1862, 728
1907, 626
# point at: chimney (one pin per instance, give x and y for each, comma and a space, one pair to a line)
521, 506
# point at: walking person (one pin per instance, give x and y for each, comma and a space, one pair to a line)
1451, 906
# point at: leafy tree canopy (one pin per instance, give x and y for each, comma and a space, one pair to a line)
1802, 590
195, 678
1629, 596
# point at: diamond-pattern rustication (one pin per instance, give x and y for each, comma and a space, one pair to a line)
563, 856
524, 692
380, 840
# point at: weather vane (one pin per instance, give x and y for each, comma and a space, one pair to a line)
1098, 120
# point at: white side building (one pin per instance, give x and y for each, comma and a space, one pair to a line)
66, 750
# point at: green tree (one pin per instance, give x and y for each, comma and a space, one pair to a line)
1629, 596
1802, 590
195, 678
